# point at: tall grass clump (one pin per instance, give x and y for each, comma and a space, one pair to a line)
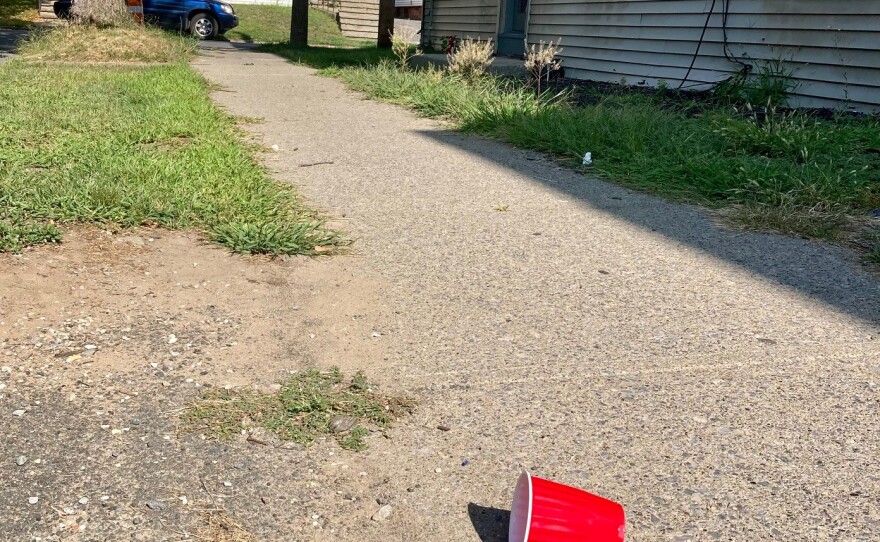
104, 31
475, 106
90, 43
471, 58
771, 83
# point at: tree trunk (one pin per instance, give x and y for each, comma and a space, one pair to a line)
299, 23
386, 23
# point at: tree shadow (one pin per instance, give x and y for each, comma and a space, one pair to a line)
490, 523
319, 57
17, 13
10, 38
239, 35
815, 270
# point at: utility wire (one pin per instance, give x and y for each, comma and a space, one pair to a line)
699, 44
725, 7
725, 15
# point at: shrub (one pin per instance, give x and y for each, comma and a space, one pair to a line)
541, 60
402, 47
88, 43
471, 59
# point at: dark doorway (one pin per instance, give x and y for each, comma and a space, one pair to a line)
512, 31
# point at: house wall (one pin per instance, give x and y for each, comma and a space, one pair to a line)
460, 18
833, 47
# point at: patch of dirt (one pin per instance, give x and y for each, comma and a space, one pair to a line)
221, 528
170, 306
106, 338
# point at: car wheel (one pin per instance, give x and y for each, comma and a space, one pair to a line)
203, 27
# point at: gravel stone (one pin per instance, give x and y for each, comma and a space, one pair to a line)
383, 513
341, 424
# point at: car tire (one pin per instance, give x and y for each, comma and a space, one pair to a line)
203, 27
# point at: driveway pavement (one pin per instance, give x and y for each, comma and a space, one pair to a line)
721, 385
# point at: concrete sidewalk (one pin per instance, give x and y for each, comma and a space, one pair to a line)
721, 385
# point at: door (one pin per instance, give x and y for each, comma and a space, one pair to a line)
512, 31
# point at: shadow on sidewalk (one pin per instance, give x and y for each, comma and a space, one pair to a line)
490, 523
9, 38
815, 270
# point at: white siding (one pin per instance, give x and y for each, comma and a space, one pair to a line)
833, 47
459, 18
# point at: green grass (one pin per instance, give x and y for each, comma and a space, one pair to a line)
125, 146
18, 13
15, 235
770, 170
271, 24
306, 405
87, 43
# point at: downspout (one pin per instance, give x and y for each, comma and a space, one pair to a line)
528, 20
427, 30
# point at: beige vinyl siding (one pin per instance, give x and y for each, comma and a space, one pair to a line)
460, 18
359, 18
833, 47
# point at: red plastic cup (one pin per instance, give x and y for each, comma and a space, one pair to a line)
544, 511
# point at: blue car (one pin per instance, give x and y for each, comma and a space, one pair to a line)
204, 19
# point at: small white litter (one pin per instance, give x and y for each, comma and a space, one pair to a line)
588, 159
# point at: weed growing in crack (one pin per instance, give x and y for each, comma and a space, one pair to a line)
308, 404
